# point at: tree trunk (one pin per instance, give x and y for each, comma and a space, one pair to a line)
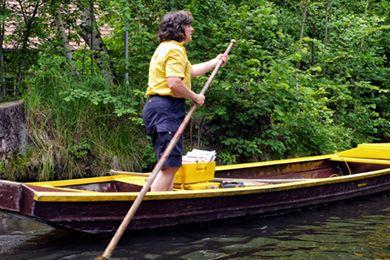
127, 52
127, 61
64, 37
303, 19
304, 5
2, 64
29, 23
13, 133
91, 35
315, 33
62, 33
365, 14
326, 22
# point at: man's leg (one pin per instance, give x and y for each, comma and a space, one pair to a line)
164, 179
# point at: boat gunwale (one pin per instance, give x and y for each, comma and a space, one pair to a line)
274, 162
60, 183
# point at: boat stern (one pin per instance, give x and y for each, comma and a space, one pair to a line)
11, 194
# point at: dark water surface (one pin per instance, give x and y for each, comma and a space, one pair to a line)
356, 229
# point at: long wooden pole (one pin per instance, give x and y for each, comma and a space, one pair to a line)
130, 214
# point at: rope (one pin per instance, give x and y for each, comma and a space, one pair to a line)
346, 163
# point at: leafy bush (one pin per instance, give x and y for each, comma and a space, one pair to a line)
79, 124
293, 86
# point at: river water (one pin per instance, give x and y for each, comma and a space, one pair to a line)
355, 229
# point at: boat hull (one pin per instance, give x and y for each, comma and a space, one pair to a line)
98, 205
105, 216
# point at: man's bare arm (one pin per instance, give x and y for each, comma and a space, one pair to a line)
180, 90
204, 67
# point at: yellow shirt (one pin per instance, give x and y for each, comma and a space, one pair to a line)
169, 60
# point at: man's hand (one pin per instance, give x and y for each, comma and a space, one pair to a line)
223, 57
199, 99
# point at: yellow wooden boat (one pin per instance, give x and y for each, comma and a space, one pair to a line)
99, 204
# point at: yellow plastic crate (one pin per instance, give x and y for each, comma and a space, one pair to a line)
195, 172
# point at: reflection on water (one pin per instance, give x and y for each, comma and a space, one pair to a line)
356, 229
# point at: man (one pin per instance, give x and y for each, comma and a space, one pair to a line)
169, 85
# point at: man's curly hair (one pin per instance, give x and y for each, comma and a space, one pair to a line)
173, 24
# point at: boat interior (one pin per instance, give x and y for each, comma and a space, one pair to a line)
231, 176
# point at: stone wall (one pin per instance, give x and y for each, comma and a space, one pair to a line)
13, 133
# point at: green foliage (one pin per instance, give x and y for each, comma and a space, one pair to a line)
80, 150
78, 124
2, 168
281, 95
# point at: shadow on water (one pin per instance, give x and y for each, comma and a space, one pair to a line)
353, 229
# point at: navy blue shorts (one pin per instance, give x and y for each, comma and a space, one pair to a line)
162, 116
